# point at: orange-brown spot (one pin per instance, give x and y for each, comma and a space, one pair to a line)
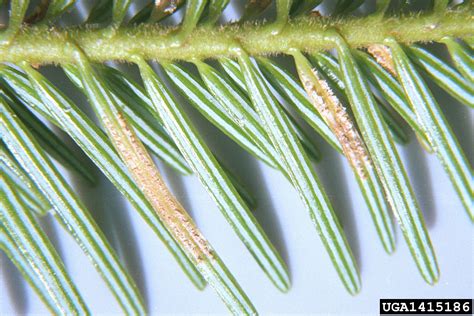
383, 56
150, 182
336, 117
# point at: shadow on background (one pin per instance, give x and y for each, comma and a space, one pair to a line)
16, 285
107, 207
419, 174
246, 170
103, 201
330, 171
49, 225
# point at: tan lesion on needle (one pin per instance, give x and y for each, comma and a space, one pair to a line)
338, 120
149, 180
383, 56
